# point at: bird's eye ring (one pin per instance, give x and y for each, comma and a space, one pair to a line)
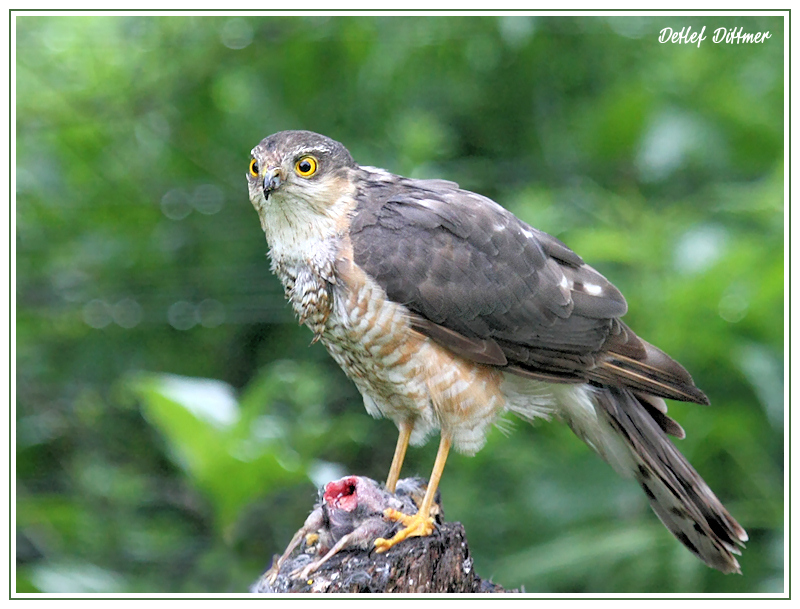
254, 168
306, 166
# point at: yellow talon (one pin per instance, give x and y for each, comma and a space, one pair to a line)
415, 525
420, 524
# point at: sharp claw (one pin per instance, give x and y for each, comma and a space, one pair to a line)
415, 526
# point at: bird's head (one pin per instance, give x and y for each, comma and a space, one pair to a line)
295, 175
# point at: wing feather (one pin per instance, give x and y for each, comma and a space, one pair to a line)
498, 291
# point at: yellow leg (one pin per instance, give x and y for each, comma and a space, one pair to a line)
421, 523
399, 455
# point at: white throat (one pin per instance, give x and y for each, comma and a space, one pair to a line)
303, 229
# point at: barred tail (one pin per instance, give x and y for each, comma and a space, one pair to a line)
629, 432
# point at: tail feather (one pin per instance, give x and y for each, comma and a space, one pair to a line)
657, 408
656, 373
677, 493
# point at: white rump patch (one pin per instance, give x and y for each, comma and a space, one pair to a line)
577, 405
574, 404
528, 398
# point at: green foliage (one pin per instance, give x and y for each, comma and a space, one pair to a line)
172, 422
216, 446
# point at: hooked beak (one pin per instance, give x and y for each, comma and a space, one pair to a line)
272, 180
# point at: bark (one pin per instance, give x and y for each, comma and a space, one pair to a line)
438, 563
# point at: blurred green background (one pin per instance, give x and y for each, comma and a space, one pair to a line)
172, 421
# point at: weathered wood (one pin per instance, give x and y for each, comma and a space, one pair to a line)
438, 563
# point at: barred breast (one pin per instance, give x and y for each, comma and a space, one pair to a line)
402, 374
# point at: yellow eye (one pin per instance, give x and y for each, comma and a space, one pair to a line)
254, 168
306, 166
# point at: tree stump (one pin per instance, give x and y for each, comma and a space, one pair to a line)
440, 562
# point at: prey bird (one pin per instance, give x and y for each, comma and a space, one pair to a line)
349, 515
448, 311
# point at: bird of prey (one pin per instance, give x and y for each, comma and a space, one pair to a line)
447, 311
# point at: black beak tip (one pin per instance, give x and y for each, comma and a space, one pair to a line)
271, 182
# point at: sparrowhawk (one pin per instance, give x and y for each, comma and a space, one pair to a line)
447, 311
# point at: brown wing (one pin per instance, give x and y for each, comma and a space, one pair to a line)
498, 291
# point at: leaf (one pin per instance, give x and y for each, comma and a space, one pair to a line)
206, 436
